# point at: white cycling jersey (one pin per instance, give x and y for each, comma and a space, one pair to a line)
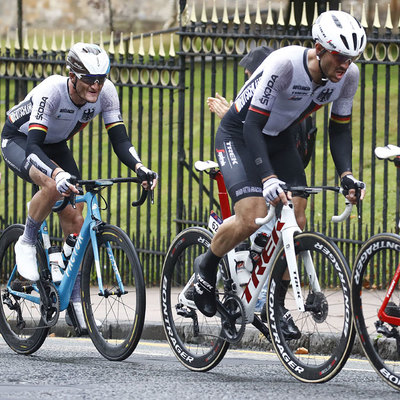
282, 89
49, 105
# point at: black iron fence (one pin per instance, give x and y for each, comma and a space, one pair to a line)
163, 100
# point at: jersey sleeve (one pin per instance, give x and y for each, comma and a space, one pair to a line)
110, 105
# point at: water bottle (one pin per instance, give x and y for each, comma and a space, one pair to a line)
242, 262
257, 247
69, 245
56, 262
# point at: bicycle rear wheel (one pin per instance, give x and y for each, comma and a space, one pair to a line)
327, 332
21, 324
373, 270
196, 340
115, 319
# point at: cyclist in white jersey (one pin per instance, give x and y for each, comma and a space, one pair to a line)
34, 142
257, 154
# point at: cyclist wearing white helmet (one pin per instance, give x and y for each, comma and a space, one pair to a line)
34, 143
256, 150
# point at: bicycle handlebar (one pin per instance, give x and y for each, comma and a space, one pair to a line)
91, 185
310, 190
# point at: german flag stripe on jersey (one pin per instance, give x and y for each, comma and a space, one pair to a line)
109, 126
260, 111
38, 126
341, 119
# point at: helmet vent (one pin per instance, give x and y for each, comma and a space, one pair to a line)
337, 22
344, 40
92, 50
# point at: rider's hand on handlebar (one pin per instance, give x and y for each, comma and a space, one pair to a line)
273, 192
147, 177
353, 189
64, 185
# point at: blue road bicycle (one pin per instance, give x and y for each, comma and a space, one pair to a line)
112, 284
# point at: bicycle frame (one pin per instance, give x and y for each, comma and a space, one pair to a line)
282, 235
88, 231
382, 315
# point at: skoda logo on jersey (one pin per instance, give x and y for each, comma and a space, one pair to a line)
88, 114
325, 95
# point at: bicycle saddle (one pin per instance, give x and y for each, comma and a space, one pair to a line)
388, 151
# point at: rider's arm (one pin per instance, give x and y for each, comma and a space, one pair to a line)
34, 153
253, 136
341, 143
340, 123
122, 145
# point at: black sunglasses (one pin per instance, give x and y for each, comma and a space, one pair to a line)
92, 79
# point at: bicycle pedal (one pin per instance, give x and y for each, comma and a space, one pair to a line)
21, 286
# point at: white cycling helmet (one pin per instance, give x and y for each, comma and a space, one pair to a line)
338, 31
88, 59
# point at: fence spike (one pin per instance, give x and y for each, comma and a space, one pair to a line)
193, 18
258, 19
315, 12
82, 36
172, 47
203, 13
91, 37
327, 6
161, 51
364, 22
35, 45
388, 24
281, 20
101, 41
44, 45
131, 50
26, 41
236, 19
270, 20
152, 53
376, 23
17, 45
247, 19
303, 21
351, 9
225, 18
72, 38
141, 46
340, 7
292, 19
111, 46
8, 44
63, 47
121, 50
214, 17
53, 43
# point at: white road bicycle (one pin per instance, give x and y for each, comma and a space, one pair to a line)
318, 297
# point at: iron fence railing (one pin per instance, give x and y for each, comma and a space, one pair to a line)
163, 102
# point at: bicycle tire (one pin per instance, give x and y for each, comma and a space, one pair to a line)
327, 333
368, 292
199, 350
115, 320
28, 336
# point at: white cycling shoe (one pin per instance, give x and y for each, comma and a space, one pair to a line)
25, 255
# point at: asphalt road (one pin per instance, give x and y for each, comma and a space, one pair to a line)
73, 369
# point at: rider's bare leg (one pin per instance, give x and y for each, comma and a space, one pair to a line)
239, 227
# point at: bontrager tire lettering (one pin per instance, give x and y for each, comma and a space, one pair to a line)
325, 254
196, 353
379, 251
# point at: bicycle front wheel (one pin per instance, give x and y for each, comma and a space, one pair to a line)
21, 324
326, 329
115, 312
374, 268
196, 340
